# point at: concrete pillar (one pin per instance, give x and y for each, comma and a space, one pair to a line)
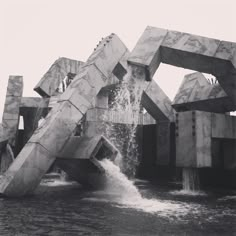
11, 113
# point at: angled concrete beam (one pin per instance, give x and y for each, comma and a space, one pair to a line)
157, 104
50, 82
50, 137
188, 51
195, 93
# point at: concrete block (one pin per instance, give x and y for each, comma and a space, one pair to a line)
108, 54
11, 113
121, 68
11, 108
88, 148
195, 93
15, 86
25, 173
188, 84
156, 102
147, 50
34, 102
48, 85
57, 127
223, 126
163, 143
203, 139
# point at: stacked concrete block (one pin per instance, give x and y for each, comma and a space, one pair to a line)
195, 93
50, 137
188, 51
11, 113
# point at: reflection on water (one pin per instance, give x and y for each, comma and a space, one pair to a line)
62, 208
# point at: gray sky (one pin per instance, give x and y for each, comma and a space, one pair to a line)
34, 33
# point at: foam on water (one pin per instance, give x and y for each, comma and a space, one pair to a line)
184, 192
56, 182
119, 189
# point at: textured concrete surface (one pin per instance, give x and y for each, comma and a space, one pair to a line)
188, 51
223, 126
157, 104
34, 102
25, 173
50, 82
6, 157
195, 93
197, 131
163, 144
11, 113
79, 159
88, 147
50, 137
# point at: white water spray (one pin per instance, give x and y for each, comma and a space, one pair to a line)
127, 100
121, 190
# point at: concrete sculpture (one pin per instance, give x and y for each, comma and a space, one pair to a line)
75, 104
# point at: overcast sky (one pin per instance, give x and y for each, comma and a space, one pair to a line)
33, 34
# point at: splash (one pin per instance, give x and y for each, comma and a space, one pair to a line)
190, 179
127, 99
121, 190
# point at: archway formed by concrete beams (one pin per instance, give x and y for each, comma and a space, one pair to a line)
188, 51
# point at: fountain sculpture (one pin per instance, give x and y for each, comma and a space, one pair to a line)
88, 116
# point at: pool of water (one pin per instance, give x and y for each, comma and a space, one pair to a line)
64, 208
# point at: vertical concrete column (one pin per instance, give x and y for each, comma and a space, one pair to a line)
193, 139
11, 111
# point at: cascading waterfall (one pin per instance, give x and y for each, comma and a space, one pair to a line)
190, 179
121, 190
127, 100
